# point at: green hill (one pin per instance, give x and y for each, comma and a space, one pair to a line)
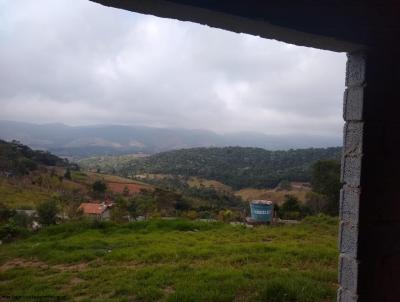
16, 158
29, 177
237, 167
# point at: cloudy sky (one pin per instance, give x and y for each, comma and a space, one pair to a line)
80, 63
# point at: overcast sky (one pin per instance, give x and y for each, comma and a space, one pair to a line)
80, 63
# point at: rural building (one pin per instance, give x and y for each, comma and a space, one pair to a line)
369, 31
95, 210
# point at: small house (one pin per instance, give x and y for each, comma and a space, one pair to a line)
100, 211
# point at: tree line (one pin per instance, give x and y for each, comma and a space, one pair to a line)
237, 167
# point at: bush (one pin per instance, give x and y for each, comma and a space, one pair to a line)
47, 212
292, 209
317, 203
21, 220
67, 174
225, 215
192, 215
5, 213
11, 231
292, 215
99, 186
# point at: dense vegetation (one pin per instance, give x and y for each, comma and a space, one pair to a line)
174, 260
16, 158
326, 186
217, 198
237, 167
58, 191
58, 252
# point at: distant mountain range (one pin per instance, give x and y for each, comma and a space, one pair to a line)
85, 141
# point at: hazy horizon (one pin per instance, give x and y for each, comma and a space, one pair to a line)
159, 127
80, 63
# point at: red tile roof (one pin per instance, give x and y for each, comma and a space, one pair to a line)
93, 208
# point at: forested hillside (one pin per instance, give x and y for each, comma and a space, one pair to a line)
17, 158
237, 167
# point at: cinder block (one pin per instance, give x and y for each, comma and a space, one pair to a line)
348, 239
344, 295
355, 69
351, 170
353, 138
353, 104
349, 204
348, 272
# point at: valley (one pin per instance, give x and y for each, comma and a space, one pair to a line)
78, 142
148, 228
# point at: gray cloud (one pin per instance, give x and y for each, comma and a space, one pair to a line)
81, 63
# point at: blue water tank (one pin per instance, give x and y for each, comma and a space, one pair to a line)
262, 210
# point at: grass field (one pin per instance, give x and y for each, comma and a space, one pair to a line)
174, 260
22, 196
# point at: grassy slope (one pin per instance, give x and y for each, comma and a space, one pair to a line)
278, 196
197, 182
21, 194
108, 163
90, 177
175, 261
22, 197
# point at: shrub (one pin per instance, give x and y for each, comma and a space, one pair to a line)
316, 202
292, 209
191, 215
99, 186
21, 220
47, 212
5, 213
11, 231
67, 174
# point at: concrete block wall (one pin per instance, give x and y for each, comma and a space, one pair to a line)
369, 236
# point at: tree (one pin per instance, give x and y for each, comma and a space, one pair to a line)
291, 208
291, 204
182, 205
225, 215
145, 205
99, 187
125, 191
47, 212
67, 174
325, 180
119, 211
317, 203
132, 207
